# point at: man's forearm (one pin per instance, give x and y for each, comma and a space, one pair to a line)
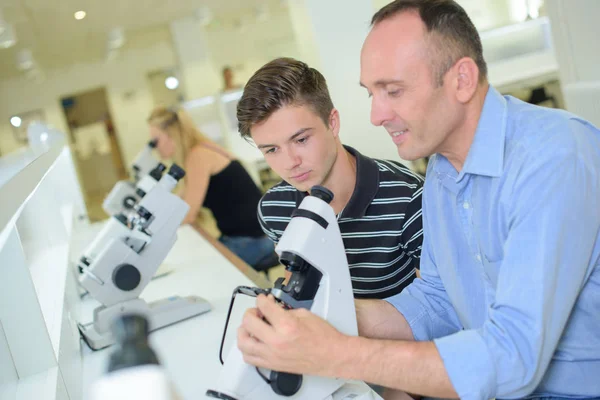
414, 367
378, 319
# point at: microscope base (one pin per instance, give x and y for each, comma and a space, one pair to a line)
355, 391
160, 313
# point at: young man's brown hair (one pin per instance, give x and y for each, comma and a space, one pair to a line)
282, 82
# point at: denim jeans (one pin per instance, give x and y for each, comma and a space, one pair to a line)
559, 398
258, 252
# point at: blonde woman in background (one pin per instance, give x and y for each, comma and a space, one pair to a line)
216, 180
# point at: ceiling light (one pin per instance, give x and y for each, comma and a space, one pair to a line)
172, 83
79, 15
16, 121
8, 37
25, 60
116, 38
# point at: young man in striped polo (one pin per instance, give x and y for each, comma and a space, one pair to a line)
287, 111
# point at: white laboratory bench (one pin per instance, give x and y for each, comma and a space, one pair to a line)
189, 350
43, 229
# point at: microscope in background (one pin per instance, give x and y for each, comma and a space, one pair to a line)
125, 255
134, 370
146, 171
311, 248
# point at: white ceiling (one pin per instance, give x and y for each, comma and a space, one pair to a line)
56, 39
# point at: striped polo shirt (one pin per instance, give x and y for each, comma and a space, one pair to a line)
381, 225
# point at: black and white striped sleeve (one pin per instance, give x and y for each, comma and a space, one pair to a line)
269, 231
412, 230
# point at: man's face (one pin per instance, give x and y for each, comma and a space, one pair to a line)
298, 145
396, 70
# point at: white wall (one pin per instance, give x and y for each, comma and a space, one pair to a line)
251, 47
338, 45
128, 94
575, 30
203, 53
488, 14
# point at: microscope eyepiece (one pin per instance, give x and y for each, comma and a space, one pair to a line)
322, 193
176, 172
157, 172
130, 328
131, 335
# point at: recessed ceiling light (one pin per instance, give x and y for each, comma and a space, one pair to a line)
172, 83
16, 121
79, 15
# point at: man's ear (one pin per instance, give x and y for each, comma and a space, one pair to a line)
334, 122
466, 79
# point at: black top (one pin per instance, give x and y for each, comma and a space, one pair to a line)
381, 225
232, 196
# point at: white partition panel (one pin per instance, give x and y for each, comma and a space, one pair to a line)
40, 353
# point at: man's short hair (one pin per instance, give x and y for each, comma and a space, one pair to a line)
279, 83
452, 34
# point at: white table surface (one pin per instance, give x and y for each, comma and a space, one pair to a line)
189, 350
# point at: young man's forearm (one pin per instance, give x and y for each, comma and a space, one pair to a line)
378, 319
414, 367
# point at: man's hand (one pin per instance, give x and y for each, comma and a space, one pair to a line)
295, 341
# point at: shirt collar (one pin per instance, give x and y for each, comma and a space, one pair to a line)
486, 154
365, 189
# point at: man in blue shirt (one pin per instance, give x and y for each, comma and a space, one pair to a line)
508, 304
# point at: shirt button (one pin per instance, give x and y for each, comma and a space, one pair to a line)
466, 205
478, 257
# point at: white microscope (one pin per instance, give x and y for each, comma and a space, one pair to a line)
125, 255
125, 194
312, 249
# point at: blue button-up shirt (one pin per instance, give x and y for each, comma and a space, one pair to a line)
510, 288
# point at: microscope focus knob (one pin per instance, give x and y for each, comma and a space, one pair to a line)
126, 277
322, 193
285, 384
129, 202
176, 172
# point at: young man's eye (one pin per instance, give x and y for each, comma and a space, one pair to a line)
302, 140
270, 151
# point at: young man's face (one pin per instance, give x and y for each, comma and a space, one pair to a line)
396, 70
298, 145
